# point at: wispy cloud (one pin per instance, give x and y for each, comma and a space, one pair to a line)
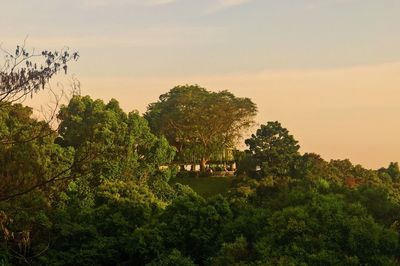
107, 3
222, 4
152, 36
229, 3
158, 2
314, 4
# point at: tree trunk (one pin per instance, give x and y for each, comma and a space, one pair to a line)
203, 165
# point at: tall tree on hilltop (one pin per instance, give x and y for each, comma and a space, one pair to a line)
199, 122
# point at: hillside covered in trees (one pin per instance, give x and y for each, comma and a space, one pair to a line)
98, 191
102, 189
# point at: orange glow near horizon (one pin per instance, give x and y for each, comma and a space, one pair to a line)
338, 113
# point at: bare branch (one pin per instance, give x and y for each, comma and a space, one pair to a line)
25, 73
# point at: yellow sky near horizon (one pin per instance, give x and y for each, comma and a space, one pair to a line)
339, 113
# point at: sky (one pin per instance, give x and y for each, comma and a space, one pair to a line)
328, 70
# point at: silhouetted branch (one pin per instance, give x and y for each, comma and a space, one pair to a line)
21, 75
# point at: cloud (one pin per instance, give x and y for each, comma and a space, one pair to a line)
229, 3
158, 2
108, 3
222, 4
315, 4
143, 37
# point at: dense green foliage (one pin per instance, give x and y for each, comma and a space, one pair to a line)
102, 191
206, 187
272, 151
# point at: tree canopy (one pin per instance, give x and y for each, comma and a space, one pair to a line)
272, 149
28, 155
200, 123
120, 145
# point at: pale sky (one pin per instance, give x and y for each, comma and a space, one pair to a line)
329, 70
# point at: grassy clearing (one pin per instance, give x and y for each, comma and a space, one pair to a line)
206, 186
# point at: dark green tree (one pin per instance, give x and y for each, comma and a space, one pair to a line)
327, 230
194, 225
29, 163
272, 150
394, 171
33, 171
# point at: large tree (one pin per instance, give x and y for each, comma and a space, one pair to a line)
200, 123
121, 145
